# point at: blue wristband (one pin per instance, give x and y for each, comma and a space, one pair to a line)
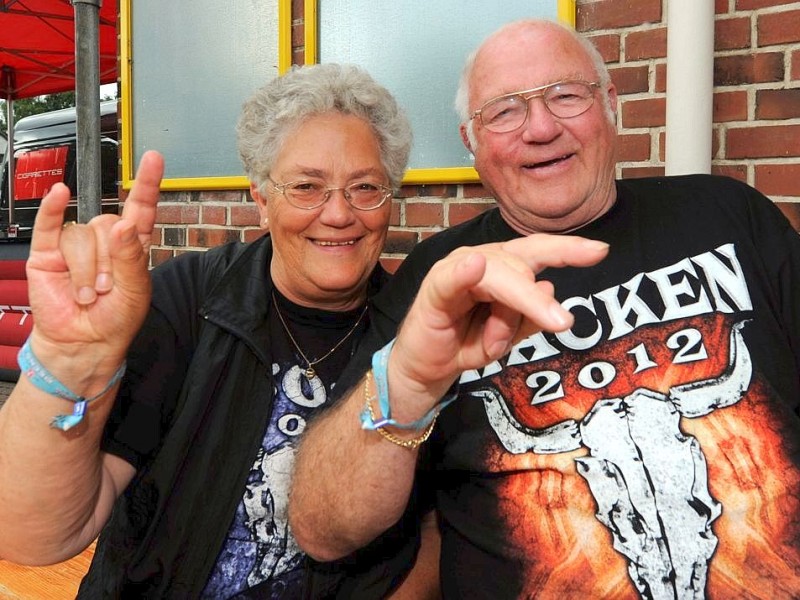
41, 378
380, 367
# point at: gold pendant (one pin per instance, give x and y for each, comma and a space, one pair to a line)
310, 372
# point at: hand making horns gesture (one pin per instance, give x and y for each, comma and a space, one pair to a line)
89, 285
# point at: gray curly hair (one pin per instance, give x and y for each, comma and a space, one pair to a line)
462, 94
278, 108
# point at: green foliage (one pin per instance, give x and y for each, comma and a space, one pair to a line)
33, 106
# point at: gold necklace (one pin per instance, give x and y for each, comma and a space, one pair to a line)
309, 371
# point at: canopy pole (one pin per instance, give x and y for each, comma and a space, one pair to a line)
87, 106
10, 159
7, 76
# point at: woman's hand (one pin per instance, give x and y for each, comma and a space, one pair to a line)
89, 285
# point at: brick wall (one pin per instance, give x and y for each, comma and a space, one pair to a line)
756, 108
756, 123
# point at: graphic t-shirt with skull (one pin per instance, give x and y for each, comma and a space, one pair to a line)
653, 450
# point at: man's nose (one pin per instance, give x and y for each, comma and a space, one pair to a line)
540, 124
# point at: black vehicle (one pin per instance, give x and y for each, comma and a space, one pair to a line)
45, 153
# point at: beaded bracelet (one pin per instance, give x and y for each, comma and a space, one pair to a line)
380, 364
42, 379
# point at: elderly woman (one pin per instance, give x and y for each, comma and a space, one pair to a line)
182, 464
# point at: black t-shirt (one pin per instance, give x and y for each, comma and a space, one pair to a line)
654, 449
260, 557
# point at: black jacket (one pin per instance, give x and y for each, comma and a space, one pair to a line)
190, 416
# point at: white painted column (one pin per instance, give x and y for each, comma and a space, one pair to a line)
690, 84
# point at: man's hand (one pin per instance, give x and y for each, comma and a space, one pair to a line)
475, 304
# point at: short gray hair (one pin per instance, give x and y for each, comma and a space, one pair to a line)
462, 94
278, 108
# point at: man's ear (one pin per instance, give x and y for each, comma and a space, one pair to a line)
462, 129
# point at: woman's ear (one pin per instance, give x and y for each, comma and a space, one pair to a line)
261, 202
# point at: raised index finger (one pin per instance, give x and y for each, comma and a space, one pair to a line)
542, 250
49, 218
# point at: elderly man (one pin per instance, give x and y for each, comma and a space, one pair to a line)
630, 428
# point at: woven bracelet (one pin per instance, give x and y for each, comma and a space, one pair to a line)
380, 364
42, 379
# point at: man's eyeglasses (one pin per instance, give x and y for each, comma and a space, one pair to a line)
308, 195
564, 99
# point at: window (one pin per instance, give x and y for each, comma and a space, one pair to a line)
190, 67
416, 49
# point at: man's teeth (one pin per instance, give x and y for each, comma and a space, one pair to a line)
350, 243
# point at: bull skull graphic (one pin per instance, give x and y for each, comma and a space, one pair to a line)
649, 480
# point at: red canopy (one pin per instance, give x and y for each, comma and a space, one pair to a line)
37, 46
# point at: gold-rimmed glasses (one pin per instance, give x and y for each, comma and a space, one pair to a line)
564, 99
310, 194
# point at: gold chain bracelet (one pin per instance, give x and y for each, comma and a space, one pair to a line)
411, 444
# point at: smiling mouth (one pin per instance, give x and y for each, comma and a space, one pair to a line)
548, 163
326, 243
